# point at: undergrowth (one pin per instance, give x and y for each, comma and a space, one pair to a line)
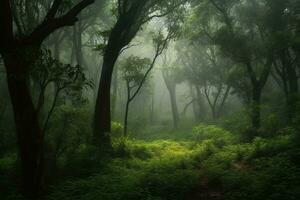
160, 169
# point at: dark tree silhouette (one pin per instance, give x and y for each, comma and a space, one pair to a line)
19, 53
131, 15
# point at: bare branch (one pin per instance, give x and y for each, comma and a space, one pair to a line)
158, 51
128, 47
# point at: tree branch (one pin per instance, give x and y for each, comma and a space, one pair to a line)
251, 73
266, 71
187, 106
51, 24
53, 10
171, 9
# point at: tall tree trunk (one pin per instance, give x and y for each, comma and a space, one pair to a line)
201, 111
77, 43
114, 93
127, 108
172, 92
222, 104
214, 113
257, 87
293, 85
120, 36
102, 116
152, 113
255, 108
13, 50
194, 104
29, 134
126, 118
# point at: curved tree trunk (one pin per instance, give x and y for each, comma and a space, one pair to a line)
120, 36
102, 116
125, 29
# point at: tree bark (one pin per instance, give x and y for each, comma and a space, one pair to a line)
292, 80
201, 111
172, 92
257, 87
126, 118
255, 108
225, 96
77, 44
13, 50
102, 116
29, 133
114, 93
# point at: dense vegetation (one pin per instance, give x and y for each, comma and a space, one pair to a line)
149, 99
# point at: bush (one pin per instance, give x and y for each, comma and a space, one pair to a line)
264, 169
150, 171
117, 129
271, 125
218, 135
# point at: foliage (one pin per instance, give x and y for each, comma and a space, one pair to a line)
165, 169
134, 69
264, 169
116, 128
157, 170
242, 57
211, 132
66, 77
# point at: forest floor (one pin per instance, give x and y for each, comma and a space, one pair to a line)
214, 166
205, 191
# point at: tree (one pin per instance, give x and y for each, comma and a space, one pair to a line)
189, 57
136, 70
243, 39
282, 23
208, 71
240, 49
133, 71
65, 78
131, 15
19, 51
215, 80
172, 77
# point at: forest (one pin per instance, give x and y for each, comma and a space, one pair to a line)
149, 99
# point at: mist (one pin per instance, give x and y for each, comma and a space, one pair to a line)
149, 99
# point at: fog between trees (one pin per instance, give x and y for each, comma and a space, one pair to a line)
88, 84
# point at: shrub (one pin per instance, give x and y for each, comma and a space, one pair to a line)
117, 129
271, 125
218, 135
151, 171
